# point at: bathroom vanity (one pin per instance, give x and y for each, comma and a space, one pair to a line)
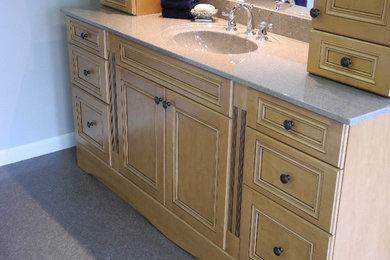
231, 156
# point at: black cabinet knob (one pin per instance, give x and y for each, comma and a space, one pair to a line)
89, 124
84, 35
166, 104
288, 124
86, 72
157, 100
285, 178
345, 62
278, 250
314, 12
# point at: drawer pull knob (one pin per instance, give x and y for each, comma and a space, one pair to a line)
278, 250
166, 104
157, 100
345, 62
86, 72
89, 124
84, 35
314, 12
285, 178
288, 124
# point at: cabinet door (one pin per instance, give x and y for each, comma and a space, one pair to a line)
361, 19
140, 127
197, 154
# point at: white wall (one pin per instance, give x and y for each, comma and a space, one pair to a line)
35, 99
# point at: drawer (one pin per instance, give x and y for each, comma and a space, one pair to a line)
330, 54
361, 19
268, 231
87, 37
136, 7
304, 185
89, 72
92, 123
204, 87
127, 6
309, 132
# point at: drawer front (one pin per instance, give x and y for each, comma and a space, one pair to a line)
271, 232
367, 67
87, 37
361, 19
91, 117
127, 6
204, 87
89, 72
319, 136
305, 185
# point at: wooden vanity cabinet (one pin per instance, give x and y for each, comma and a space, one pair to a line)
223, 170
135, 7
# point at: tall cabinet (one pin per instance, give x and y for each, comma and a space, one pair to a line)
350, 43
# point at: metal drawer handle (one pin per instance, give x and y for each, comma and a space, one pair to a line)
314, 12
345, 62
288, 124
285, 178
278, 250
86, 72
157, 100
90, 124
84, 35
166, 104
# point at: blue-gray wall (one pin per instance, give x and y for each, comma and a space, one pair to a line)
35, 99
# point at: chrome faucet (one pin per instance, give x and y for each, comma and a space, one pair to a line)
279, 3
232, 16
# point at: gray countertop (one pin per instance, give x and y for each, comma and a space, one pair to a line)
277, 68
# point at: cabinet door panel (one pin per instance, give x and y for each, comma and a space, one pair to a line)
197, 145
359, 19
141, 133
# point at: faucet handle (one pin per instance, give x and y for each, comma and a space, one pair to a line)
231, 23
270, 27
263, 31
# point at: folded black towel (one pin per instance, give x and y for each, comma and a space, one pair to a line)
176, 13
179, 4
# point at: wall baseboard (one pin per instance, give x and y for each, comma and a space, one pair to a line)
31, 150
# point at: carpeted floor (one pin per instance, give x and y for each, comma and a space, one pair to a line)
50, 209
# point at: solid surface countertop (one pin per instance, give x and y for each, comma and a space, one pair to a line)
277, 67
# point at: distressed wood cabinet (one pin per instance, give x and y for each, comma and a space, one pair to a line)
223, 170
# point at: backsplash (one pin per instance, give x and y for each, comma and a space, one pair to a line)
283, 24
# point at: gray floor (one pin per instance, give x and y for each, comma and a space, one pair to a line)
50, 209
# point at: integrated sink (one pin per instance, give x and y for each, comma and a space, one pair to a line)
215, 42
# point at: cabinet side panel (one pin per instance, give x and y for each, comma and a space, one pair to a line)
363, 229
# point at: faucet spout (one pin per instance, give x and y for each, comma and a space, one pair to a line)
249, 22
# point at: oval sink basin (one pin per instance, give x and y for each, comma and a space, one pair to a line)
216, 42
